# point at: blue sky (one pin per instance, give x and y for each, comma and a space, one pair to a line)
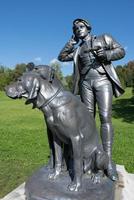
36, 30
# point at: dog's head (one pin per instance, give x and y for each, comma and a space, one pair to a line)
28, 85
45, 71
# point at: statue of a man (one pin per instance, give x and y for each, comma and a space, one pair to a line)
95, 77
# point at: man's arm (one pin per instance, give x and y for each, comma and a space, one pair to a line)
67, 52
116, 51
113, 50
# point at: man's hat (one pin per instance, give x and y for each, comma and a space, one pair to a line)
85, 22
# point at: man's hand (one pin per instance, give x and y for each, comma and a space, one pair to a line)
101, 53
74, 40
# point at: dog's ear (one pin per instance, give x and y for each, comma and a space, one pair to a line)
51, 75
34, 89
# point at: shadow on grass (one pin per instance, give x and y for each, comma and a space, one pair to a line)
124, 108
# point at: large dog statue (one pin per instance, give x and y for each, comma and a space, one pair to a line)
67, 118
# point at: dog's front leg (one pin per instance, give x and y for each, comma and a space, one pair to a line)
77, 157
51, 146
58, 158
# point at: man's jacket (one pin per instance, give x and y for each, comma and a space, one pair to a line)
113, 50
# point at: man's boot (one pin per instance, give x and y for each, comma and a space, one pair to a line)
111, 170
107, 141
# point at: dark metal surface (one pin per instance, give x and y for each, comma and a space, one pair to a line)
69, 122
39, 187
95, 77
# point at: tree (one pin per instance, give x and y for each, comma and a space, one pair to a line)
130, 73
120, 72
19, 70
133, 88
69, 81
57, 66
5, 77
126, 74
10, 75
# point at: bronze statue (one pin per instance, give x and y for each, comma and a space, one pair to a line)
72, 133
95, 77
73, 141
67, 119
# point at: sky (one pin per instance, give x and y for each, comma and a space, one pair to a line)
36, 30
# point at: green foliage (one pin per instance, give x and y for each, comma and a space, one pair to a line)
126, 74
133, 89
6, 76
122, 76
9, 75
18, 71
69, 81
56, 65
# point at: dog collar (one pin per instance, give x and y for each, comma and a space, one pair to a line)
51, 99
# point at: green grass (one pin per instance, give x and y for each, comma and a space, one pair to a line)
24, 146
123, 121
23, 142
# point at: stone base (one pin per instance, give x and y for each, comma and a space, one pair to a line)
39, 187
16, 194
123, 191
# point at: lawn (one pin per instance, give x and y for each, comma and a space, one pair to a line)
24, 146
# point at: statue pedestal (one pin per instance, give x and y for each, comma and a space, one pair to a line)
39, 187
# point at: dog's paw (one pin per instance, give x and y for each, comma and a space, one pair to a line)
54, 175
97, 178
73, 187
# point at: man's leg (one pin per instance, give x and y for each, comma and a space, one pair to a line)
87, 97
104, 94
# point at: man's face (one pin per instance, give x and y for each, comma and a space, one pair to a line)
81, 30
